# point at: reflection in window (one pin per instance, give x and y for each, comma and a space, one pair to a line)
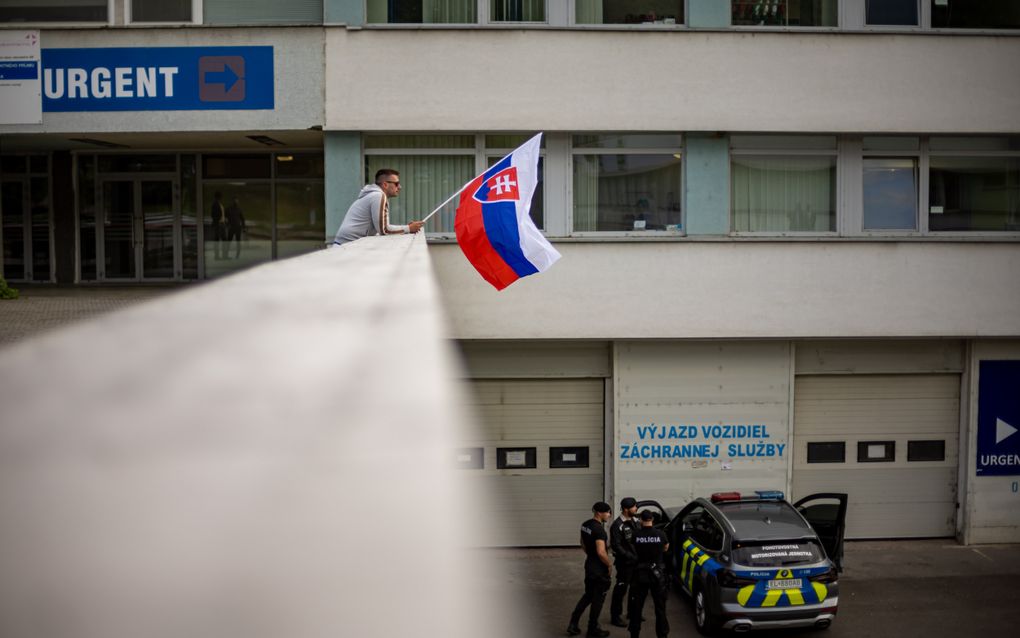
300, 218
53, 10
890, 193
891, 13
783, 193
629, 12
975, 14
161, 10
974, 194
627, 192
517, 10
237, 244
422, 11
785, 13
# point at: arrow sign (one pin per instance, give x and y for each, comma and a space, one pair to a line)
1003, 431
226, 77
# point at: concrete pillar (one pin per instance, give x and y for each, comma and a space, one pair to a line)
707, 183
344, 176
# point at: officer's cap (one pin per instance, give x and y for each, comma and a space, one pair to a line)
601, 507
648, 515
627, 503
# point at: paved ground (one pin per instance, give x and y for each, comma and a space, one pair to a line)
901, 588
41, 308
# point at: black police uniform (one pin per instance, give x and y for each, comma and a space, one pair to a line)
596, 578
649, 577
621, 535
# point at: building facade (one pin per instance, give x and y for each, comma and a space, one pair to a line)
789, 228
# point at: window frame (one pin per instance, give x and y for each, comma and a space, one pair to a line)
481, 11
921, 220
792, 150
110, 20
654, 235
481, 156
572, 21
196, 16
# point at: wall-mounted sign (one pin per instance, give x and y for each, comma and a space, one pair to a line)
998, 439
19, 78
157, 79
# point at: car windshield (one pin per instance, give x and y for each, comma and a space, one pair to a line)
777, 553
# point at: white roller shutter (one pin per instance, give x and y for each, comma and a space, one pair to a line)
542, 505
895, 498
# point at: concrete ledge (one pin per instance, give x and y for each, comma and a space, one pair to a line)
257, 456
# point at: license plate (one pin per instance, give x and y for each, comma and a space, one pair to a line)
790, 583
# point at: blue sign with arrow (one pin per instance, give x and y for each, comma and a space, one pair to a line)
998, 441
158, 79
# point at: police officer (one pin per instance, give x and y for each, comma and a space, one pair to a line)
621, 540
649, 576
596, 571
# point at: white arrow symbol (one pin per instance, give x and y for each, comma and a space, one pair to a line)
1003, 431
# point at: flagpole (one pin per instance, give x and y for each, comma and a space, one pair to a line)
448, 200
459, 191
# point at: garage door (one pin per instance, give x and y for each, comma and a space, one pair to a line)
539, 445
889, 441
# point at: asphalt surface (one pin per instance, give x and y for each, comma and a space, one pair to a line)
888, 588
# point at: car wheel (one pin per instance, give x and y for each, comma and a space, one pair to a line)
704, 620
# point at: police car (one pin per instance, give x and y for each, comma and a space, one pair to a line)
754, 561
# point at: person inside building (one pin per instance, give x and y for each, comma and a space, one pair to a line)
649, 576
370, 212
217, 217
235, 227
596, 572
621, 541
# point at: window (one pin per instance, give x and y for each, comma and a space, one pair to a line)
891, 13
785, 13
54, 11
926, 450
517, 10
516, 458
707, 532
423, 11
826, 452
783, 184
890, 193
434, 167
975, 14
876, 451
644, 12
972, 192
627, 183
453, 11
161, 10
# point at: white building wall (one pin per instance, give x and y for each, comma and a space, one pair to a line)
576, 80
741, 290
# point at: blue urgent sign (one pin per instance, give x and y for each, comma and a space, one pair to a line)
157, 79
998, 440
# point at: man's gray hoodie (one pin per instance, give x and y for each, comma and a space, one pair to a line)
366, 216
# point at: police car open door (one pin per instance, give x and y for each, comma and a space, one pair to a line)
826, 512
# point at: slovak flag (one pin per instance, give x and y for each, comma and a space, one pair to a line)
493, 226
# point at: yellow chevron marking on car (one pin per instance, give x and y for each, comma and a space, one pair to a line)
772, 597
744, 595
820, 590
796, 598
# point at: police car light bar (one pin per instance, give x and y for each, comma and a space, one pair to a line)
719, 497
758, 495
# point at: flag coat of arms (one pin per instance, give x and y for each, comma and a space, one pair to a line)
493, 225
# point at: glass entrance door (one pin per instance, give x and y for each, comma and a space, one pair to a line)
140, 219
12, 209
